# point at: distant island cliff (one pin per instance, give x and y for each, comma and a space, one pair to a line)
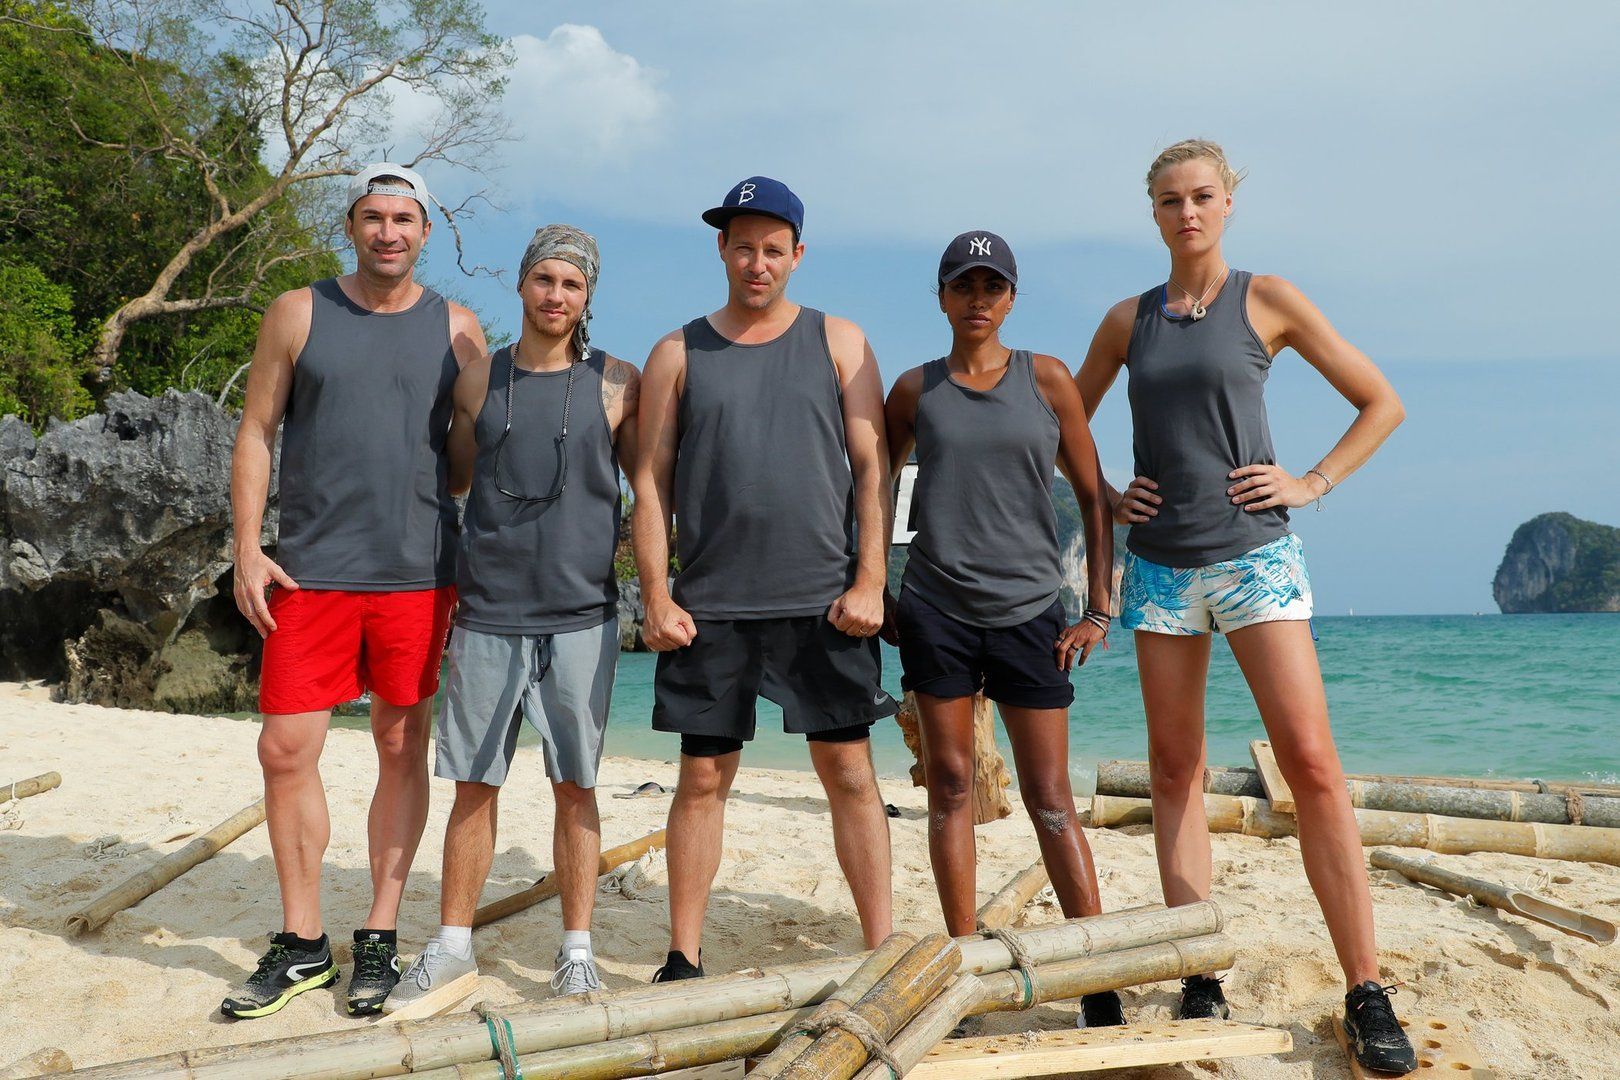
1557, 562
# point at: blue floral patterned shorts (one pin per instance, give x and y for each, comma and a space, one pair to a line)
1268, 584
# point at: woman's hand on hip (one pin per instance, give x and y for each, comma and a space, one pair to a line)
1137, 503
1260, 487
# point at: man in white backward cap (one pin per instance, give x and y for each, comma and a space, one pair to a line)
358, 371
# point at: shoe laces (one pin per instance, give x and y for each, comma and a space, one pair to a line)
418, 971
1375, 1016
371, 961
574, 975
268, 963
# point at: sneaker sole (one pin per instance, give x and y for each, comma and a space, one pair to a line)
435, 1001
314, 982
366, 1006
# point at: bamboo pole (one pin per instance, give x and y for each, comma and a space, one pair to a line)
395, 1049
1501, 896
929, 1027
138, 886
41, 1062
915, 980
549, 886
1001, 909
1004, 991
34, 785
1454, 836
876, 965
1131, 778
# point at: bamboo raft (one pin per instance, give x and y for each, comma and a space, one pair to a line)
1451, 835
644, 1030
1490, 800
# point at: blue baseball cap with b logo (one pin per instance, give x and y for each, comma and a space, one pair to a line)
759, 195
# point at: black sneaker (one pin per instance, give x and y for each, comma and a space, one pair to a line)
1201, 999
1100, 1010
284, 972
376, 970
677, 967
1376, 1037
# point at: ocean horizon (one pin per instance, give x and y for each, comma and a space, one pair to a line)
1488, 695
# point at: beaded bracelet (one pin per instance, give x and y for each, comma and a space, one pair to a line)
1326, 479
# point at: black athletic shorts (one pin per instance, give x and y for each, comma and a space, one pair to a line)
823, 679
1013, 665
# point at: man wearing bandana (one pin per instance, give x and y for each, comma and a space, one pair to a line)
540, 431
357, 372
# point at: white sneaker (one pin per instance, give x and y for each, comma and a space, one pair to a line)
433, 969
575, 974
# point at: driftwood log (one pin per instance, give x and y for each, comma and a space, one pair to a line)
138, 886
22, 789
550, 886
990, 776
1501, 896
1001, 909
1436, 795
1452, 835
1177, 937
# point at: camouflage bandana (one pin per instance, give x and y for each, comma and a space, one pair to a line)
576, 247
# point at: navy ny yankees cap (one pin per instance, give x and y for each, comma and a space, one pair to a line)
978, 248
759, 195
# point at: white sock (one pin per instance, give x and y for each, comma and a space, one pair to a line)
577, 939
456, 940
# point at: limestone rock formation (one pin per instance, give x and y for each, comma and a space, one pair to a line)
115, 556
1558, 562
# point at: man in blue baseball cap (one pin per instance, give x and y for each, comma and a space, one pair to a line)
774, 414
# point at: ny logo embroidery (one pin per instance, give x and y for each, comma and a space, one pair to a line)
980, 245
746, 194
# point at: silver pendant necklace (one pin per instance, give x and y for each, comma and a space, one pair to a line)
1198, 308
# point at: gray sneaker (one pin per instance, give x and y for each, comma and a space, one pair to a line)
575, 974
434, 969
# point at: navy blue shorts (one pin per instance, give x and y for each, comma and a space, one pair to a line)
1013, 665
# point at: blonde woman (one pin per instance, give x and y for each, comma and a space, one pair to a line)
1210, 550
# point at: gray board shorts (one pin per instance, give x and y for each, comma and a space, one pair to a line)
560, 683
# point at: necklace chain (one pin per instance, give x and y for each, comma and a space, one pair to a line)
1198, 308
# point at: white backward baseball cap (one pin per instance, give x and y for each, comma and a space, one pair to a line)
365, 183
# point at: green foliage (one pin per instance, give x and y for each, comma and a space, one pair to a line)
39, 347
1593, 581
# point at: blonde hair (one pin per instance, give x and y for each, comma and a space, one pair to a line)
1195, 150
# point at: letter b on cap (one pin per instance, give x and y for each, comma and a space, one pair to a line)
746, 194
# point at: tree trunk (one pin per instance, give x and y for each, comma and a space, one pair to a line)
990, 776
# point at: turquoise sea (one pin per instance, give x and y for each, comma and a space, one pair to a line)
1515, 696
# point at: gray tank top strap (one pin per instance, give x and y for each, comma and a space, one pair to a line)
764, 502
1197, 393
365, 499
536, 560
986, 549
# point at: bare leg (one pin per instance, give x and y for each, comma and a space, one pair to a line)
400, 803
947, 752
295, 813
860, 831
1279, 662
1173, 669
576, 852
697, 825
1040, 742
469, 848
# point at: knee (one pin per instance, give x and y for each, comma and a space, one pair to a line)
283, 758
1046, 797
950, 784
402, 745
571, 798
1313, 771
702, 779
1176, 770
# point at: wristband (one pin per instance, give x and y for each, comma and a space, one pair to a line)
1326, 479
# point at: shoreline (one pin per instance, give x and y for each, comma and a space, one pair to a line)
1536, 1003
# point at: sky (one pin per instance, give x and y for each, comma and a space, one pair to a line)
1438, 178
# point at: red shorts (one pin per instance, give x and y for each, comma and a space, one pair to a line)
330, 646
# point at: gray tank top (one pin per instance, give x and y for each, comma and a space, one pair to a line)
986, 549
1198, 411
541, 567
365, 498
764, 501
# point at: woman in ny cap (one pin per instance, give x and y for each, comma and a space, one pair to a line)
1210, 549
979, 606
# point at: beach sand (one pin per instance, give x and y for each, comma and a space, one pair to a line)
1536, 1003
